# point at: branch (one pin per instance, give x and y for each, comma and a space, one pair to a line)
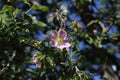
109, 27
8, 64
31, 46
79, 71
111, 21
103, 14
104, 30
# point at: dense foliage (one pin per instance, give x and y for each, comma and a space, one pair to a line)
59, 40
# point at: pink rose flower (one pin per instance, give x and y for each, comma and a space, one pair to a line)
59, 39
35, 58
38, 65
36, 61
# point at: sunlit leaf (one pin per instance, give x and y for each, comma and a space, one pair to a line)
32, 71
39, 24
50, 61
26, 2
50, 19
40, 7
42, 57
7, 8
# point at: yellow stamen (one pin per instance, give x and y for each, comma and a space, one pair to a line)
59, 40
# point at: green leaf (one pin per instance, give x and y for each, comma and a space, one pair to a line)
42, 73
32, 71
6, 19
7, 8
90, 40
28, 18
50, 61
38, 24
89, 1
103, 2
26, 2
23, 39
83, 2
17, 11
64, 7
50, 19
75, 29
41, 57
40, 7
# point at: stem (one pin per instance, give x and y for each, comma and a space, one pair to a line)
109, 27
68, 55
31, 46
27, 11
103, 14
79, 71
8, 64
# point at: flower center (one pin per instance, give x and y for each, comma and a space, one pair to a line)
59, 40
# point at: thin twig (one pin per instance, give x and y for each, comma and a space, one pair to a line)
31, 46
103, 14
104, 30
79, 71
92, 22
109, 27
103, 65
8, 64
60, 19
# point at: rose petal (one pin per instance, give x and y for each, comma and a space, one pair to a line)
65, 41
53, 36
62, 34
67, 45
52, 43
35, 58
64, 45
60, 46
38, 65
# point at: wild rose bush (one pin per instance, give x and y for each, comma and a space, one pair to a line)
77, 41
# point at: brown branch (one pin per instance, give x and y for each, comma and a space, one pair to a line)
110, 20
106, 60
31, 46
104, 14
109, 27
104, 30
79, 71
8, 64
92, 22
